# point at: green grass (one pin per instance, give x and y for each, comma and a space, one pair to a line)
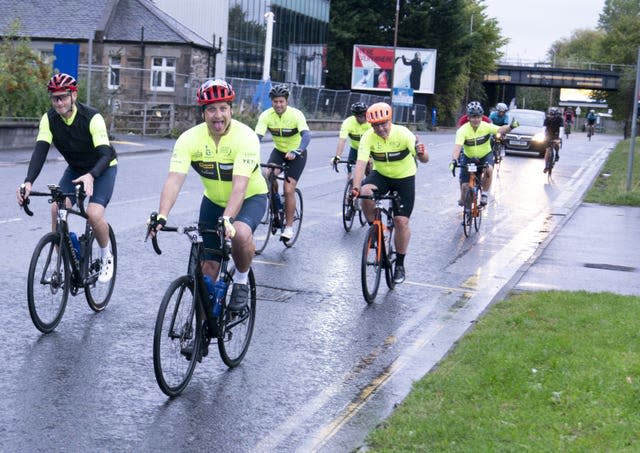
547, 371
610, 187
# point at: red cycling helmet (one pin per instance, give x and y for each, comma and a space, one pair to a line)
379, 113
215, 91
62, 82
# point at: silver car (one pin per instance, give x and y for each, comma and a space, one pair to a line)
529, 135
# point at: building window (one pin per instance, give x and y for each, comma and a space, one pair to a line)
114, 72
163, 74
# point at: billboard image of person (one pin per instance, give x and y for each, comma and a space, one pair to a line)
415, 69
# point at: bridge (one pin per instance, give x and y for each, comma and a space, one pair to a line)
588, 76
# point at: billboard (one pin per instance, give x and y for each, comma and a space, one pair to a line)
374, 67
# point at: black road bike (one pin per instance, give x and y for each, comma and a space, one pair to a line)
350, 206
274, 218
186, 323
59, 267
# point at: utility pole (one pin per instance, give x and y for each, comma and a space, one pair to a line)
395, 44
266, 66
215, 51
634, 124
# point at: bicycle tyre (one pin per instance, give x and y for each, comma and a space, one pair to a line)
297, 219
173, 368
371, 265
348, 209
263, 231
477, 210
98, 294
467, 213
390, 257
237, 328
362, 217
48, 287
549, 160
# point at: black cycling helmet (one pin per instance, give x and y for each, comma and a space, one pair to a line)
279, 90
474, 109
359, 108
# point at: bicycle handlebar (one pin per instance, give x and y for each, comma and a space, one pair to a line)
220, 231
340, 161
283, 167
57, 196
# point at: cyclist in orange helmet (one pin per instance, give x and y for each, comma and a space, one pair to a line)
394, 150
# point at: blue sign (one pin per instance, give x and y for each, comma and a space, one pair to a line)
66, 59
261, 96
403, 96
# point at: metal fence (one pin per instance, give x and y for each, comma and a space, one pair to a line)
141, 102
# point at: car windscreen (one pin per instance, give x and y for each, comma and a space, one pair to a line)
530, 118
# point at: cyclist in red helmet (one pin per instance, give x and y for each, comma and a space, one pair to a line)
226, 155
394, 150
79, 133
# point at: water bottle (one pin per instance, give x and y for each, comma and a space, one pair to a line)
279, 201
220, 288
211, 292
76, 243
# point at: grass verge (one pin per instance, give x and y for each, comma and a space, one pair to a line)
610, 187
547, 371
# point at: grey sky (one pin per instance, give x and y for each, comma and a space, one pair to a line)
532, 26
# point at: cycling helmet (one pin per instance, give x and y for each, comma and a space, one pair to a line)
215, 91
379, 113
502, 107
279, 90
553, 111
474, 109
62, 82
359, 108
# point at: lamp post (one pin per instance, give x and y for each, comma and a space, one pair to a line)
214, 54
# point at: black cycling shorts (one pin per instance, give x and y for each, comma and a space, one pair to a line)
295, 166
406, 188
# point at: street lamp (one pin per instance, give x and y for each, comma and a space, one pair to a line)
211, 70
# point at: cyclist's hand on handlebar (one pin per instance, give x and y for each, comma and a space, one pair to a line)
156, 222
23, 192
293, 154
420, 149
355, 192
229, 229
334, 162
87, 181
452, 166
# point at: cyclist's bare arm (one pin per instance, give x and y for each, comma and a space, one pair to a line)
359, 173
170, 191
238, 189
340, 148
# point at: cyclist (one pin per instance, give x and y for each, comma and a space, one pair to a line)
474, 137
591, 121
568, 116
226, 155
353, 127
291, 137
79, 133
552, 124
393, 149
499, 116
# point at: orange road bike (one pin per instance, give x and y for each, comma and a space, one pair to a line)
378, 251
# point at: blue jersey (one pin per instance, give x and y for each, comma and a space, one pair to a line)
499, 120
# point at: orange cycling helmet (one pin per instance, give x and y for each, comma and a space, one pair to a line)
379, 113
62, 82
215, 91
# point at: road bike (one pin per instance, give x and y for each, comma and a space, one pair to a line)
350, 206
498, 150
187, 322
471, 204
63, 263
551, 156
591, 130
378, 251
274, 218
567, 129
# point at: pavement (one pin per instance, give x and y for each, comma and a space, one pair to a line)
596, 249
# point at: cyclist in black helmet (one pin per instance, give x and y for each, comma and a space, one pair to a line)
291, 137
352, 128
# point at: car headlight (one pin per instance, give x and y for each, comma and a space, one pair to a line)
539, 137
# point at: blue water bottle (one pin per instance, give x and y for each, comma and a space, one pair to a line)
279, 200
220, 289
76, 243
211, 292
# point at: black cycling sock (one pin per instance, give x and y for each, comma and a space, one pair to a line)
400, 259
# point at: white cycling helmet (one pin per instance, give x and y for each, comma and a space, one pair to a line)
502, 107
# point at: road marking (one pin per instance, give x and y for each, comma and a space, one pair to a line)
136, 200
445, 288
15, 219
270, 263
122, 142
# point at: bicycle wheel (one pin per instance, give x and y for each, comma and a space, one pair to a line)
297, 219
237, 328
98, 294
371, 265
467, 214
390, 253
476, 210
362, 217
348, 210
263, 231
176, 337
48, 283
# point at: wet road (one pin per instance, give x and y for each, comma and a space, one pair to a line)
323, 367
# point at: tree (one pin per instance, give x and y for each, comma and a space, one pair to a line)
23, 76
